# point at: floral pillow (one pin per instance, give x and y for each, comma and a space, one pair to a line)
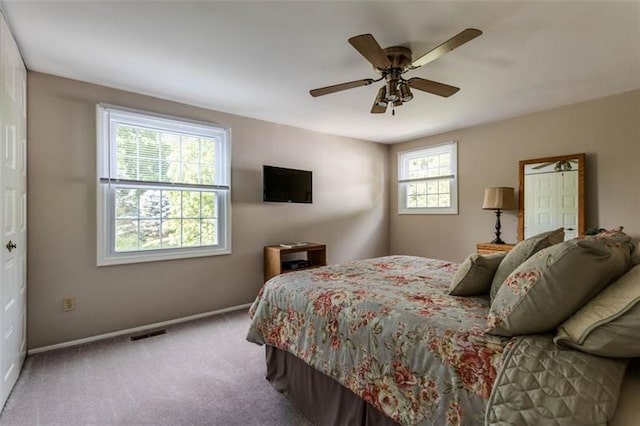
521, 252
475, 274
609, 325
557, 281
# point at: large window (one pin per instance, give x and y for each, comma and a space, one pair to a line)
427, 180
163, 187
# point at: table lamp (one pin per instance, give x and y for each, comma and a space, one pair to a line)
498, 199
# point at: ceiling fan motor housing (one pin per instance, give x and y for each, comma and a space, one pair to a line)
399, 56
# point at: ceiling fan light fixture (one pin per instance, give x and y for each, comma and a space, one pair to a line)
405, 92
393, 94
380, 97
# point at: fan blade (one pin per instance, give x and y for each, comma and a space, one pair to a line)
340, 87
371, 50
377, 109
541, 166
434, 87
455, 41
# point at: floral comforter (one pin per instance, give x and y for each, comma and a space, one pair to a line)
386, 329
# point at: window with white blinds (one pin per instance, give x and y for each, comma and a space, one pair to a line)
163, 187
427, 180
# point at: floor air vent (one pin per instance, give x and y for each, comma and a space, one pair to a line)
148, 334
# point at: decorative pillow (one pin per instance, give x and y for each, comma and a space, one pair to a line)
521, 252
555, 282
615, 234
635, 256
609, 325
475, 274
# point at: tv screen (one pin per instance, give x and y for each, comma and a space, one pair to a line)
282, 185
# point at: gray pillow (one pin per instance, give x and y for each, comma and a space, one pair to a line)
475, 274
521, 252
554, 283
635, 256
609, 325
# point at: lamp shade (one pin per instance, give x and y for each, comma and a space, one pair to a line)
499, 197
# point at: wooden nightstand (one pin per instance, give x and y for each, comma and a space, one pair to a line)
490, 248
273, 258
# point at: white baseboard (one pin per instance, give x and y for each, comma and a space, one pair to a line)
134, 330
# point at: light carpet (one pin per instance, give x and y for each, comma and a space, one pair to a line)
202, 372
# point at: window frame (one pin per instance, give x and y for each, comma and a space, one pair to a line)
106, 179
405, 156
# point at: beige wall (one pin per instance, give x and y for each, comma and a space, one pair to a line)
607, 130
349, 214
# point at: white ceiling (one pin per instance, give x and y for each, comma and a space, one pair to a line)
260, 59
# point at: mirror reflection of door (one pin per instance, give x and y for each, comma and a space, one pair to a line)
551, 198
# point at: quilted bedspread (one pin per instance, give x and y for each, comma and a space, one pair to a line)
387, 330
541, 384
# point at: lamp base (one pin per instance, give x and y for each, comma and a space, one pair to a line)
498, 240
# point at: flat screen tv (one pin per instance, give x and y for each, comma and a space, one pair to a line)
282, 185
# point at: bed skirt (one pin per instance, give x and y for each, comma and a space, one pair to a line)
327, 402
318, 396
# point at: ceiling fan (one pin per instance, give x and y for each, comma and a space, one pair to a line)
560, 166
392, 63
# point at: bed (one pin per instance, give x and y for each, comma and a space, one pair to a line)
380, 341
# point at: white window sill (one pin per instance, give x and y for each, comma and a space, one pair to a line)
427, 211
158, 255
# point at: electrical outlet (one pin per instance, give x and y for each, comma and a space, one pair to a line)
68, 303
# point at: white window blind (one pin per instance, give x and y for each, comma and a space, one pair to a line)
163, 187
427, 180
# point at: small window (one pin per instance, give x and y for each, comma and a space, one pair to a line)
427, 180
163, 187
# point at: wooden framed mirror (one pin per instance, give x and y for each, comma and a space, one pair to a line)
551, 195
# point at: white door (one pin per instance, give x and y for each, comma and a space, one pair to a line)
567, 193
551, 202
541, 191
13, 211
529, 203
